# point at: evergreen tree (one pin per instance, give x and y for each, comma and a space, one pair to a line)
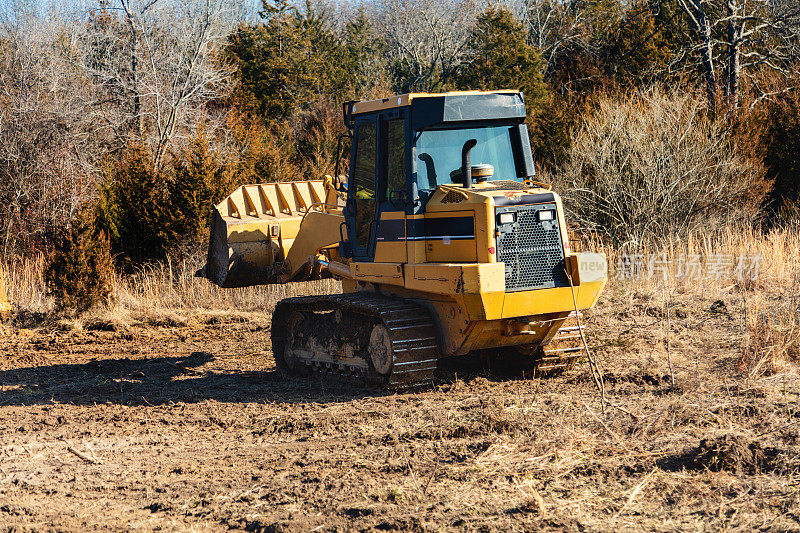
500, 58
781, 143
134, 206
643, 42
80, 272
289, 59
364, 57
198, 182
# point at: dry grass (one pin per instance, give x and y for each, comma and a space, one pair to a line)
156, 289
176, 288
24, 281
718, 268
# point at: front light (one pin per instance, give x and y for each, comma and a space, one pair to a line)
546, 215
506, 218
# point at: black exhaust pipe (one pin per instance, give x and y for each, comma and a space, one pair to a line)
466, 165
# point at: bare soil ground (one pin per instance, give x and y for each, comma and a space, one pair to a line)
184, 423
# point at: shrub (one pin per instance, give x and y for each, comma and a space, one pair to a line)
781, 144
650, 166
152, 214
134, 205
80, 271
198, 182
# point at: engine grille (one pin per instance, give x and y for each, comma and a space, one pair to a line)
531, 249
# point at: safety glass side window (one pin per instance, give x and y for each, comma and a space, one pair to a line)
364, 175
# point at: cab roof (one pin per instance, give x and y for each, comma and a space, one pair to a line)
428, 109
403, 100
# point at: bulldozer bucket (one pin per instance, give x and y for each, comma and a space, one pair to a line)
255, 229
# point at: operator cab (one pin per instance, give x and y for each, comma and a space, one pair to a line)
405, 147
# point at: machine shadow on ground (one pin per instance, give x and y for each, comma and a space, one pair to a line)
164, 380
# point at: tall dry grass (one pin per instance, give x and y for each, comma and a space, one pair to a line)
731, 248
166, 286
24, 282
758, 272
154, 288
173, 286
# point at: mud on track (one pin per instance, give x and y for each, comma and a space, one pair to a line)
187, 425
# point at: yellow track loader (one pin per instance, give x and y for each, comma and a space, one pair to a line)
443, 240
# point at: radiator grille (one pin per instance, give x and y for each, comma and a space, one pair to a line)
531, 249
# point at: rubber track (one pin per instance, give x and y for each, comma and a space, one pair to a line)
414, 339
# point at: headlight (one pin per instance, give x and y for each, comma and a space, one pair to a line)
546, 215
506, 218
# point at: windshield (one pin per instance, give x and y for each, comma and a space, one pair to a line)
439, 154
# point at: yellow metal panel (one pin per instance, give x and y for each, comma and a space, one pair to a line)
255, 230
317, 231
437, 278
302, 194
559, 299
479, 286
440, 250
317, 189
248, 193
390, 252
415, 249
368, 106
231, 209
286, 198
331, 195
289, 227
270, 193
485, 241
484, 290
449, 249
391, 273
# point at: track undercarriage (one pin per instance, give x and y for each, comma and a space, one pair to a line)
384, 342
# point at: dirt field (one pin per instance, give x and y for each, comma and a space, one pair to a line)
184, 423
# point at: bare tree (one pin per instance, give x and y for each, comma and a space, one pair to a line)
652, 166
43, 177
555, 26
427, 38
696, 11
743, 35
156, 59
77, 83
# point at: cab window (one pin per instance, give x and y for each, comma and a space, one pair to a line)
439, 154
364, 181
396, 155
